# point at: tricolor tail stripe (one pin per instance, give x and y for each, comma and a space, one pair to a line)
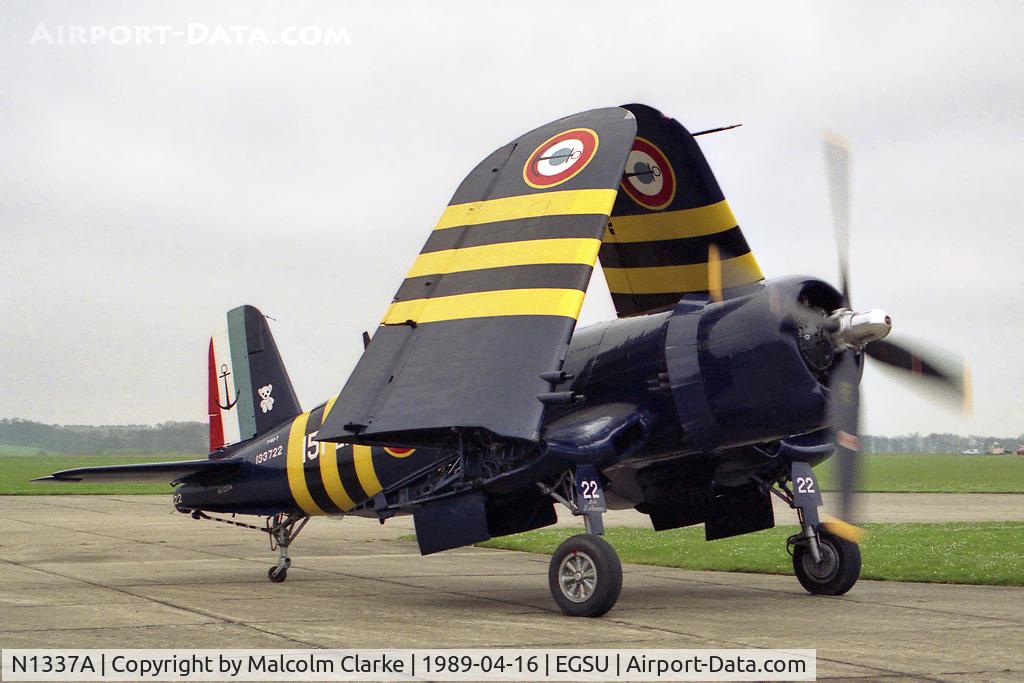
216, 422
226, 396
528, 255
245, 409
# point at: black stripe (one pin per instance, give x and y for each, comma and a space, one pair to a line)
311, 470
555, 276
636, 304
517, 230
347, 472
678, 252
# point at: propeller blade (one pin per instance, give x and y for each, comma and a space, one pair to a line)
714, 273
844, 416
949, 376
837, 173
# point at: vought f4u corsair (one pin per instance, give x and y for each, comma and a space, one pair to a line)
477, 405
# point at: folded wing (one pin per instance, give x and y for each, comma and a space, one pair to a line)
670, 215
491, 302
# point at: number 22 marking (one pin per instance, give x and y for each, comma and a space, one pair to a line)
805, 485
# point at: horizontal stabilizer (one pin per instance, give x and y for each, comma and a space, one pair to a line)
148, 473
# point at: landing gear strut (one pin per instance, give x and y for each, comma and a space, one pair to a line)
585, 574
282, 529
825, 564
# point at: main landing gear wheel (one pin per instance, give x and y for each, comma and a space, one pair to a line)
585, 576
277, 573
838, 570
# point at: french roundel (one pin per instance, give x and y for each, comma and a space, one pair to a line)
649, 179
561, 157
399, 452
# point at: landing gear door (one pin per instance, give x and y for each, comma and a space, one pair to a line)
589, 492
806, 492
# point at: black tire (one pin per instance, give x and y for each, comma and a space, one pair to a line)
839, 568
277, 576
585, 576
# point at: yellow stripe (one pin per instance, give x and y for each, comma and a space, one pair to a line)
329, 472
556, 203
327, 409
296, 467
737, 271
363, 457
530, 252
565, 302
670, 225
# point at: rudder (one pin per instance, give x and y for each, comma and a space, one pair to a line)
249, 388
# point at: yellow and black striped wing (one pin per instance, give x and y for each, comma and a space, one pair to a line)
668, 217
492, 299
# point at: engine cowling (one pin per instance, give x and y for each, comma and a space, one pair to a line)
741, 371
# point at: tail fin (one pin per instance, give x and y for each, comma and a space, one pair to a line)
249, 389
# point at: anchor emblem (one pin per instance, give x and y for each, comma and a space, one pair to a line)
224, 374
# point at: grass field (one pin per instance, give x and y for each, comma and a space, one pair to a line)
882, 473
988, 553
6, 450
17, 470
935, 474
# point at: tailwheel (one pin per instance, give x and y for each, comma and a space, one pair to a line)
585, 576
837, 570
278, 573
282, 529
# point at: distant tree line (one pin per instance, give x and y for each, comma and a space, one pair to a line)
166, 437
193, 437
937, 443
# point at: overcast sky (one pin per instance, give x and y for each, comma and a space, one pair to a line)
147, 189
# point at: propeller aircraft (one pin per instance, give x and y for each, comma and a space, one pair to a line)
477, 405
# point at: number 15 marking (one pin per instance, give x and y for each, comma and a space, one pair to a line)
312, 451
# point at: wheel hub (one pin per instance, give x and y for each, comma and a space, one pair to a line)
577, 577
826, 569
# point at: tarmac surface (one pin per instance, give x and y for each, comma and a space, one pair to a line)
128, 571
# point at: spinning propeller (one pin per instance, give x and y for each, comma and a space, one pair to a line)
854, 333
848, 334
